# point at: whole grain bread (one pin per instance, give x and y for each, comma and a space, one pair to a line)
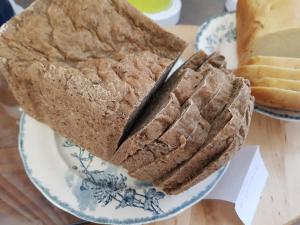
167, 162
183, 82
142, 164
267, 28
78, 70
211, 83
223, 157
179, 134
221, 135
220, 99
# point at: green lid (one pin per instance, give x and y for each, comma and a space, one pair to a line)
151, 6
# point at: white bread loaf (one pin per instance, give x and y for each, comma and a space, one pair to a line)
268, 27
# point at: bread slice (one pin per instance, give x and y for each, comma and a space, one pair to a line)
293, 85
268, 28
220, 99
85, 73
178, 134
182, 83
292, 63
209, 87
251, 72
222, 158
168, 161
277, 98
221, 135
217, 60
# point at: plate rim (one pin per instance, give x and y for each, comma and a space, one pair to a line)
266, 111
104, 220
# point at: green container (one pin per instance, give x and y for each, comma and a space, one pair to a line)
151, 6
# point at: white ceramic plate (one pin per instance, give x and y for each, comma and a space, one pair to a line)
219, 34
92, 189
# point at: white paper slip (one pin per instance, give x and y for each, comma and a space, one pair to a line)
243, 183
230, 5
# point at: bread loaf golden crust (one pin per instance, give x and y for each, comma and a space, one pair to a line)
277, 98
251, 72
293, 85
292, 63
268, 27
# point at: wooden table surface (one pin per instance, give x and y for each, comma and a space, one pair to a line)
21, 203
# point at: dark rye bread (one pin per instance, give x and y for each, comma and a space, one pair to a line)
222, 158
221, 135
183, 82
85, 72
179, 134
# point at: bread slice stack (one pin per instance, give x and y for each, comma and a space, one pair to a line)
268, 50
211, 115
95, 72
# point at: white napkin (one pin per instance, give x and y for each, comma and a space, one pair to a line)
243, 183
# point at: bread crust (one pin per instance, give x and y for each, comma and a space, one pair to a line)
220, 138
222, 158
277, 98
78, 70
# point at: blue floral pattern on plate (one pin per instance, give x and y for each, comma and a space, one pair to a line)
92, 189
107, 187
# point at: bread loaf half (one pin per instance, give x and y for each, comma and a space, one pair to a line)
268, 28
78, 70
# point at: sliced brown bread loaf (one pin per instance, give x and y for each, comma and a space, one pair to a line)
182, 83
213, 78
86, 72
170, 160
221, 135
222, 158
177, 135
206, 92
